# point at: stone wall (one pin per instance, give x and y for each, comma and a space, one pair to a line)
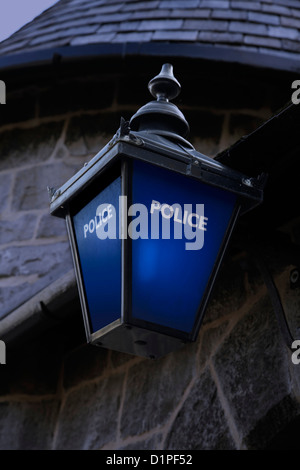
234, 388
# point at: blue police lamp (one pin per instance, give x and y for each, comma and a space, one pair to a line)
149, 219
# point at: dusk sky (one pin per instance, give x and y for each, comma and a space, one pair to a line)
16, 13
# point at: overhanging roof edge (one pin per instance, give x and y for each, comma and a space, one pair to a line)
160, 49
33, 312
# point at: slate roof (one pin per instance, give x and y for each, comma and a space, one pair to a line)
265, 26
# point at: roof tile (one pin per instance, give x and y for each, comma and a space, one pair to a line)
250, 25
109, 28
248, 28
151, 14
290, 45
92, 38
288, 3
149, 5
85, 30
173, 36
215, 3
262, 41
292, 22
178, 4
277, 9
295, 13
250, 6
14, 46
153, 25
129, 26
282, 32
211, 36
230, 14
199, 25
263, 18
133, 37
203, 13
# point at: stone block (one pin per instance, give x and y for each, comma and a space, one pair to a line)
209, 92
205, 131
5, 185
210, 341
31, 374
229, 293
23, 101
27, 426
64, 98
272, 428
150, 443
30, 189
132, 92
27, 270
85, 363
118, 359
89, 417
241, 125
90, 133
153, 390
50, 227
19, 229
14, 291
201, 422
290, 298
250, 361
28, 146
39, 259
204, 125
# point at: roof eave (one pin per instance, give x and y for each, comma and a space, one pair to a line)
228, 54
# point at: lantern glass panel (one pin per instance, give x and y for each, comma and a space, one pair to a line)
100, 255
172, 267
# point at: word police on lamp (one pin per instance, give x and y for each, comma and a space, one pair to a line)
148, 220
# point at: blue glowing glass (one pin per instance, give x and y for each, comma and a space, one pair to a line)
169, 281
100, 259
